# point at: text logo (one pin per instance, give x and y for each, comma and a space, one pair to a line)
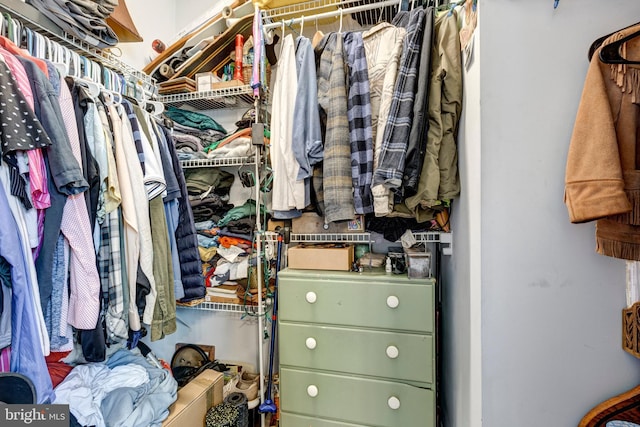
34, 415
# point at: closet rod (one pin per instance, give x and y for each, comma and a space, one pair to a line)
331, 14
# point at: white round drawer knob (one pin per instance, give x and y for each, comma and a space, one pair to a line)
393, 301
392, 352
311, 297
311, 343
312, 391
393, 402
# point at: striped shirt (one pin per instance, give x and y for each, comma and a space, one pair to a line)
390, 169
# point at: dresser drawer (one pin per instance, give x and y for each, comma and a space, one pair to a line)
291, 420
355, 400
372, 301
399, 356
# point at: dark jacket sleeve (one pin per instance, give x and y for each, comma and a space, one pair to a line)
186, 237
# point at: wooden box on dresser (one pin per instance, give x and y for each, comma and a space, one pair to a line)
356, 349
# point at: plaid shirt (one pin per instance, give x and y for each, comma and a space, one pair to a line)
359, 116
332, 97
396, 134
110, 269
135, 127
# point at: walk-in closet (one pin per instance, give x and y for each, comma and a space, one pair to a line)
358, 213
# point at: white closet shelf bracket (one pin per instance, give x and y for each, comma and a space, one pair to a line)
447, 239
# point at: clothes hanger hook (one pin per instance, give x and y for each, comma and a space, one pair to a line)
302, 25
340, 28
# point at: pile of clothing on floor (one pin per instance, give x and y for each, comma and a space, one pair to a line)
127, 389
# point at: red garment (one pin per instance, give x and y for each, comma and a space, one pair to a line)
227, 241
58, 370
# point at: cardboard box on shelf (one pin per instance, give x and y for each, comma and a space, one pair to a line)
274, 224
195, 399
312, 223
333, 256
226, 84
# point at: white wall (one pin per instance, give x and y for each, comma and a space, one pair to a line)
551, 307
154, 20
188, 11
461, 287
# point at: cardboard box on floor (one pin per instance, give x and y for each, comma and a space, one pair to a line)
195, 399
330, 256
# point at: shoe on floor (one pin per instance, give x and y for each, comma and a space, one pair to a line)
249, 377
249, 389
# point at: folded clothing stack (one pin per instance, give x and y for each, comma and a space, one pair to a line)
85, 19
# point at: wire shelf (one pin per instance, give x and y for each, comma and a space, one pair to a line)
323, 237
428, 236
421, 237
29, 17
217, 162
332, 237
320, 9
231, 97
223, 307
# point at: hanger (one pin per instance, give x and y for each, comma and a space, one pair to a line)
290, 25
62, 68
610, 54
317, 36
281, 44
302, 25
598, 42
157, 108
340, 28
93, 87
154, 107
111, 97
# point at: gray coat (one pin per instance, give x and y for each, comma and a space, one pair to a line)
337, 185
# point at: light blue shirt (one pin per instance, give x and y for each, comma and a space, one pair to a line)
26, 350
307, 135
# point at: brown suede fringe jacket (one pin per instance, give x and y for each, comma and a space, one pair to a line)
603, 165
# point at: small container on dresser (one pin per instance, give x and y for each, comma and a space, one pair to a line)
356, 349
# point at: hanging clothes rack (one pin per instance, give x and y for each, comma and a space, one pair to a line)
35, 21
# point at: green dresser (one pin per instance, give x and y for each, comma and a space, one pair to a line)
356, 349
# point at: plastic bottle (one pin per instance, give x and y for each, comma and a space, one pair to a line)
237, 75
387, 267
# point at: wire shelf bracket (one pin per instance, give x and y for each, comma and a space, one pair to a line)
237, 96
223, 307
218, 162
